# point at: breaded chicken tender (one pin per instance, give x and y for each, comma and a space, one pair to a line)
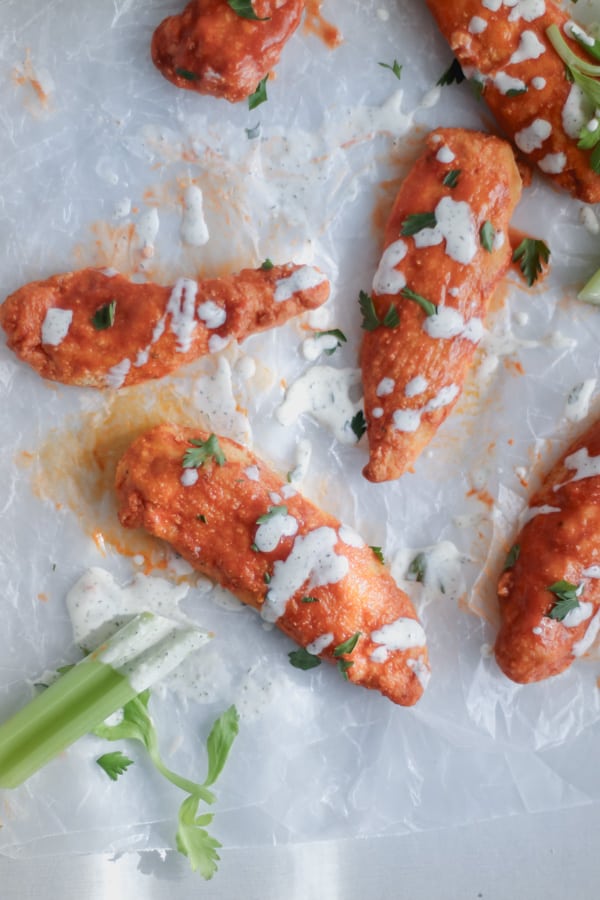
237, 522
525, 82
98, 329
549, 592
211, 49
446, 247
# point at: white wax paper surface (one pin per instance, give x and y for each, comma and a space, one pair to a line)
93, 140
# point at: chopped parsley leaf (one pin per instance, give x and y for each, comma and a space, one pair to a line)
202, 451
378, 553
185, 73
267, 265
243, 8
511, 557
114, 764
302, 659
358, 424
487, 232
418, 567
451, 178
395, 67
260, 94
348, 645
429, 308
568, 598
104, 317
273, 511
334, 332
417, 222
343, 666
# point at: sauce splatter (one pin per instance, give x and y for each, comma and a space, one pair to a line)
314, 23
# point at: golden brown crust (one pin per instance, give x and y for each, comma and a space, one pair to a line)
489, 53
144, 332
231, 499
210, 49
553, 546
489, 183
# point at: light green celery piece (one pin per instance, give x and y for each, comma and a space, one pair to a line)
138, 655
590, 292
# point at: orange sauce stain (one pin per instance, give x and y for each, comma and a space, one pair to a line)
26, 77
75, 466
314, 23
598, 683
514, 367
511, 442
482, 495
43, 597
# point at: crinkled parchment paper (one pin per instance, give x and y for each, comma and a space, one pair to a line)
96, 150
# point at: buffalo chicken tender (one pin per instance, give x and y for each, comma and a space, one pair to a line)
549, 592
505, 47
211, 49
446, 247
237, 522
98, 329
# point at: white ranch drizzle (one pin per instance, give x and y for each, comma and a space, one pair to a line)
312, 561
532, 137
302, 279
319, 644
578, 401
505, 83
181, 308
116, 375
421, 670
553, 163
211, 314
456, 225
189, 477
538, 511
410, 419
576, 112
530, 10
477, 25
530, 47
313, 347
377, 412
252, 473
585, 466
416, 386
445, 155
591, 572
388, 280
538, 83
385, 387
402, 634
349, 536
582, 646
448, 323
194, 230
324, 393
55, 326
578, 615
269, 534
216, 343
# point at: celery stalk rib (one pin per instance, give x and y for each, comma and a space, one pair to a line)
64, 712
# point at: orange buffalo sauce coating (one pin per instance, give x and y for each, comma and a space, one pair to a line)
558, 543
210, 49
533, 89
413, 371
155, 329
210, 516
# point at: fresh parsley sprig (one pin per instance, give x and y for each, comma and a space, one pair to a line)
192, 839
429, 308
302, 659
358, 424
451, 178
532, 255
453, 74
568, 598
378, 553
417, 222
333, 332
202, 452
487, 233
114, 764
512, 556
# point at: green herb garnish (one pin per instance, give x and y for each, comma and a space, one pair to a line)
104, 317
516, 92
334, 332
343, 666
348, 645
273, 511
358, 424
371, 320
418, 568
114, 764
417, 222
253, 133
378, 553
568, 598
267, 265
395, 67
532, 255
203, 451
487, 232
310, 600
302, 659
429, 308
185, 73
511, 557
260, 94
453, 74
243, 8
451, 178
